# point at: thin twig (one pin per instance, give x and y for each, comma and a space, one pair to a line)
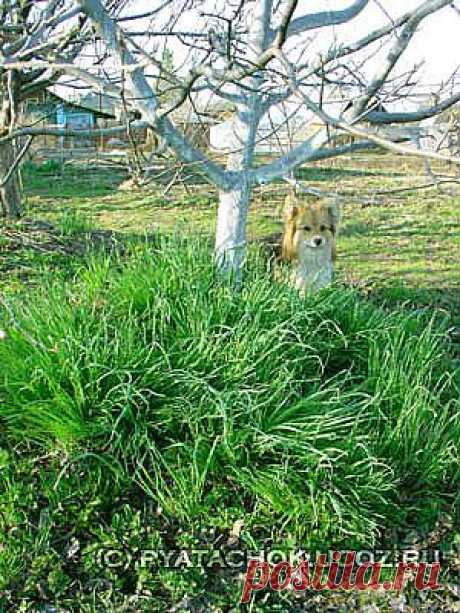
16, 162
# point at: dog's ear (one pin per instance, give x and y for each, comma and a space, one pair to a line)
291, 207
333, 210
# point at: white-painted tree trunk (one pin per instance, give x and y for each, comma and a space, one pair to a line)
232, 215
230, 246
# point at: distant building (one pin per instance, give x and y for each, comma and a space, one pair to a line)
86, 112
92, 111
51, 110
289, 126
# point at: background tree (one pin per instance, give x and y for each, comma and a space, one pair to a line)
259, 55
30, 31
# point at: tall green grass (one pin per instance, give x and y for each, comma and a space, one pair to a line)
327, 415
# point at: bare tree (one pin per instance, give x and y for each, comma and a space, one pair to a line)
257, 56
28, 30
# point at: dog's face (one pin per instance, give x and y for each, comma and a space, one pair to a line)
309, 227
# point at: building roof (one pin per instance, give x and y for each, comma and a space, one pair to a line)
101, 105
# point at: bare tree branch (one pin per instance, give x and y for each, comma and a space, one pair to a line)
376, 117
374, 138
16, 162
326, 18
145, 99
66, 132
396, 51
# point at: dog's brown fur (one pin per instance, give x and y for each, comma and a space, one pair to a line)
309, 241
315, 224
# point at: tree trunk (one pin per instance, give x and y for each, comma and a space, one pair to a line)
230, 245
232, 213
10, 193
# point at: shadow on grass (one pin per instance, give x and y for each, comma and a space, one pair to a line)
407, 230
31, 248
442, 301
100, 193
328, 174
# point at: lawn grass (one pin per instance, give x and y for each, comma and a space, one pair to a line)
405, 248
409, 239
166, 400
145, 405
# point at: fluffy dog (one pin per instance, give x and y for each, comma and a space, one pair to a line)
309, 241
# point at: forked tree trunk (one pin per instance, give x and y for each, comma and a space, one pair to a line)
230, 247
10, 193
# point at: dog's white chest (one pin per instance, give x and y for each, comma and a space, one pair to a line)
314, 270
